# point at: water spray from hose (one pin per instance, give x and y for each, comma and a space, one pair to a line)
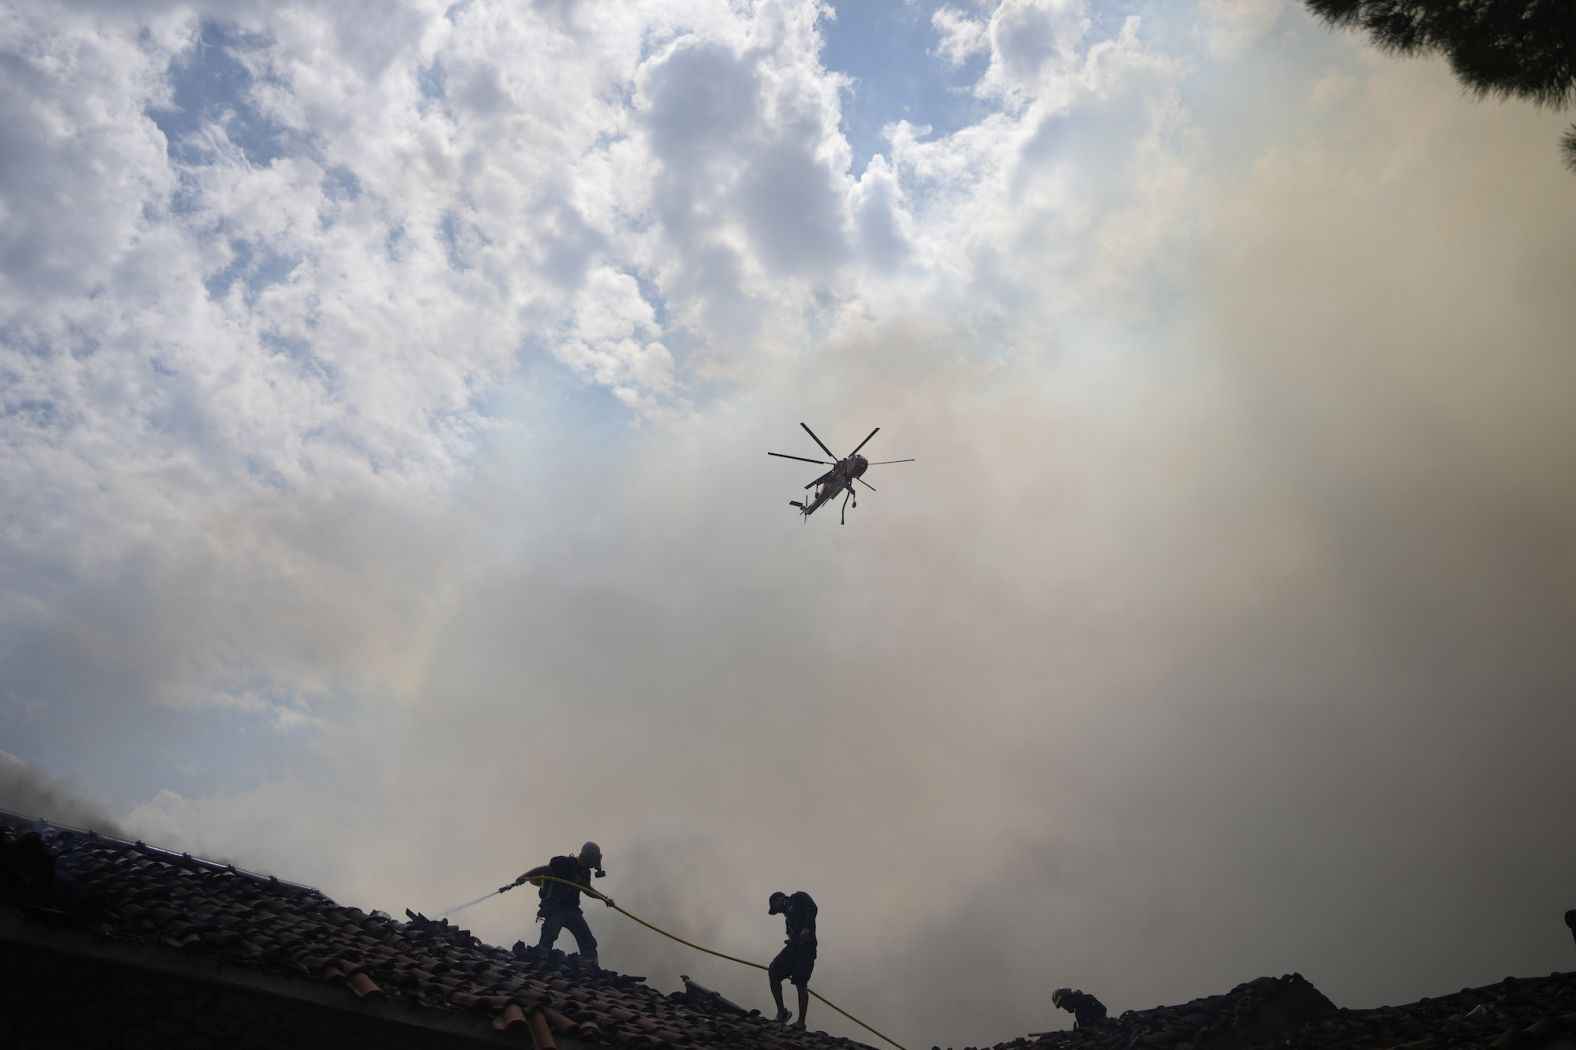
468, 904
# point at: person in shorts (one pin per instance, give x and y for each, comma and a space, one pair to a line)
797, 959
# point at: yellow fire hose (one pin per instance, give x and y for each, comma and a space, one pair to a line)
538, 880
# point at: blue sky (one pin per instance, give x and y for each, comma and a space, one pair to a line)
889, 48
384, 398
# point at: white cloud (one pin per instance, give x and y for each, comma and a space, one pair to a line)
881, 216
749, 179
1031, 40
1057, 199
960, 35
300, 305
612, 340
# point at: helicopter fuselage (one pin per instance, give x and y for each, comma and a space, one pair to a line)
839, 478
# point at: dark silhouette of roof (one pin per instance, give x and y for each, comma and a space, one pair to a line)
1289, 1013
98, 893
92, 896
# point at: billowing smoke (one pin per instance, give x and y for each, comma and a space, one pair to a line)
28, 792
1221, 628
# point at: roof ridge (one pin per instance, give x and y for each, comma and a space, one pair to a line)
19, 821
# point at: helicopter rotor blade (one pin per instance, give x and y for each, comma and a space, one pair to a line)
884, 462
865, 442
801, 459
818, 441
866, 484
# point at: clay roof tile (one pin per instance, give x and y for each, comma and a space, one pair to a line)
363, 985
511, 1016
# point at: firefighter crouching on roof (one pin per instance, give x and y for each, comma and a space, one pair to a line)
1085, 1008
797, 958
560, 907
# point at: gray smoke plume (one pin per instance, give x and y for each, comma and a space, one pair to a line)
27, 792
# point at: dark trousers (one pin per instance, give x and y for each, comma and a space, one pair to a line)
575, 923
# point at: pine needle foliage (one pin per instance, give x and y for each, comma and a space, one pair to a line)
1500, 48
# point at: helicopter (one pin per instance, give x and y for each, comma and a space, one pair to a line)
840, 478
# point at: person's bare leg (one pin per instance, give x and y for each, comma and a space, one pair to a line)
804, 1001
777, 994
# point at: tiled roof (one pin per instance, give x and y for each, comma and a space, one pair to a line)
191, 909
1256, 1013
1527, 1013
1290, 1014
132, 892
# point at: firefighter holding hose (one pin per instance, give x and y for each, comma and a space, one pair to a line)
560, 904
